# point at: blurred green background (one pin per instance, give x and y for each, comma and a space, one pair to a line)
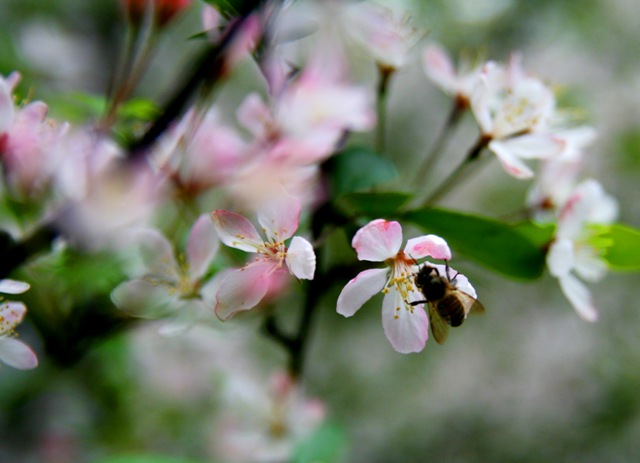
527, 382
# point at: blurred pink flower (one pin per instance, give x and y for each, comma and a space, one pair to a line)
440, 70
242, 289
13, 352
406, 326
27, 139
264, 423
166, 287
575, 251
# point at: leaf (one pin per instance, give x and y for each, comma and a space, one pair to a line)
358, 169
539, 234
623, 253
325, 445
373, 205
491, 243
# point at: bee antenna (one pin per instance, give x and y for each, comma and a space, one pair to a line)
447, 268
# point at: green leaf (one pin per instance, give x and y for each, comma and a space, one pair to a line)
358, 169
539, 234
491, 243
373, 205
325, 445
623, 253
139, 109
145, 459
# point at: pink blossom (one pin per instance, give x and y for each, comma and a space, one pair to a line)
261, 424
242, 289
440, 69
575, 252
13, 352
166, 287
514, 111
386, 34
200, 153
405, 325
26, 141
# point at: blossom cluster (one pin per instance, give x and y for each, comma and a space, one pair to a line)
257, 175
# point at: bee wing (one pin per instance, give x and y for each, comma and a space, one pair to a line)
439, 327
470, 303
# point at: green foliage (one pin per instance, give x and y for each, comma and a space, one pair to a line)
623, 250
373, 205
358, 169
145, 459
491, 243
325, 445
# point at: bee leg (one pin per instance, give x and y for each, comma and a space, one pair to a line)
414, 303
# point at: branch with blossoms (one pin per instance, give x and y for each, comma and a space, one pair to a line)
132, 209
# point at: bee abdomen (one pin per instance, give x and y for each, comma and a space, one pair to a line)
452, 310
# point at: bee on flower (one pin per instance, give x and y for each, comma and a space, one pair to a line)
404, 319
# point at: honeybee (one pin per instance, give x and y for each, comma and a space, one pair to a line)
448, 305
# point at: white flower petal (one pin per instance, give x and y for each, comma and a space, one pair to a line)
561, 258
301, 259
406, 327
157, 255
13, 286
580, 297
11, 313
17, 354
511, 163
143, 299
534, 146
360, 289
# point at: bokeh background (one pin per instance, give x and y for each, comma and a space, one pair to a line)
528, 381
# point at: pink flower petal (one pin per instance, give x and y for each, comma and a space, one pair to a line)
13, 286
17, 354
406, 329
236, 231
280, 216
439, 68
360, 289
378, 241
242, 289
301, 259
202, 246
428, 245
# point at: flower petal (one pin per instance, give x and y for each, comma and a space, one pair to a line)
17, 354
535, 146
428, 245
157, 255
510, 162
242, 289
301, 259
143, 299
360, 289
378, 241
236, 231
580, 297
439, 68
280, 216
202, 246
11, 313
406, 327
561, 257
13, 286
